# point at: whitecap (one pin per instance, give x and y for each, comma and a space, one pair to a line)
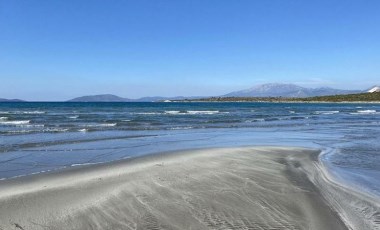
367, 111
83, 164
181, 128
147, 113
55, 130
33, 112
21, 131
14, 122
32, 126
100, 125
205, 112
108, 125
327, 112
173, 112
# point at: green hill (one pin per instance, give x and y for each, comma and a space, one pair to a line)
360, 97
367, 97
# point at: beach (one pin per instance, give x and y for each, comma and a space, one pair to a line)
217, 188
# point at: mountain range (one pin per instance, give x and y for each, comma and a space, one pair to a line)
10, 100
288, 90
114, 98
264, 90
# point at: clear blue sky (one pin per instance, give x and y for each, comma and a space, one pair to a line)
56, 50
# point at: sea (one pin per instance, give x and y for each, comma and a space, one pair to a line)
40, 137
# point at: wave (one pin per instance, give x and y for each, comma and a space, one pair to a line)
364, 112
327, 112
83, 164
255, 120
14, 122
73, 117
55, 130
23, 112
205, 112
101, 125
181, 128
107, 125
31, 125
174, 112
147, 113
367, 111
33, 112
20, 131
3, 118
177, 112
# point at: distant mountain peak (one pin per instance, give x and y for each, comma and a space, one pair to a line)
100, 98
287, 90
10, 100
374, 89
114, 98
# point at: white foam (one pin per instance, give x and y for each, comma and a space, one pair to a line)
146, 113
327, 112
82, 164
181, 128
3, 118
210, 112
108, 125
73, 117
22, 112
367, 111
21, 131
31, 126
173, 112
82, 130
33, 112
100, 125
55, 130
14, 122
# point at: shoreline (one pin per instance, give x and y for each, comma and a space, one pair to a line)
257, 187
284, 102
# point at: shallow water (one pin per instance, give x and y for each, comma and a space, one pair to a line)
39, 137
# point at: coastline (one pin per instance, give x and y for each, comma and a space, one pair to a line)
284, 102
250, 187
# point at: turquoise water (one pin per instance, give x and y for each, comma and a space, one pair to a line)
40, 137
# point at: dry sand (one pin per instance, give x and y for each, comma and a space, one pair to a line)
229, 188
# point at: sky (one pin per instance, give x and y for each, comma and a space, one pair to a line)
57, 50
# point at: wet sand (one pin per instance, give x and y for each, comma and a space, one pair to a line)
228, 188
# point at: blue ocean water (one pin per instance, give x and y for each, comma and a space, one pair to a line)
40, 137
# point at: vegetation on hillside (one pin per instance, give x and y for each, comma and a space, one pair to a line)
361, 97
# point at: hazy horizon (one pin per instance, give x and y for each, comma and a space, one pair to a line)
61, 50
126, 97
